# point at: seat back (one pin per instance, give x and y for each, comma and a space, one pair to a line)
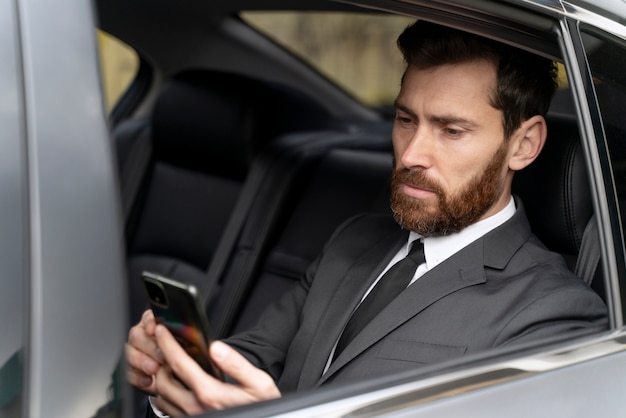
555, 190
205, 129
556, 193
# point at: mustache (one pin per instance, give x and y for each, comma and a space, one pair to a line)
415, 178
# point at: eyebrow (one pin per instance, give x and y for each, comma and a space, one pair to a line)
399, 106
443, 119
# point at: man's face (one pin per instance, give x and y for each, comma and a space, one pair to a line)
450, 156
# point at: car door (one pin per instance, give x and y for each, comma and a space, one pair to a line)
62, 311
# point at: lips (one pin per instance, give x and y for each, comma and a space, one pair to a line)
417, 192
420, 186
415, 184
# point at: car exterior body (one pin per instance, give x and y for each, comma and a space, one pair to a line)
64, 317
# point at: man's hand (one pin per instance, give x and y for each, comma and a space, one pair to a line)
143, 355
183, 388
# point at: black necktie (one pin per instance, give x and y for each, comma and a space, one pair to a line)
394, 281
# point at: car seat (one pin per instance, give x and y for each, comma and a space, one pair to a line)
555, 188
202, 135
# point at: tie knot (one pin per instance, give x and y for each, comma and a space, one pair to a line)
416, 253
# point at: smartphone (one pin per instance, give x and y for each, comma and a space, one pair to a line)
177, 306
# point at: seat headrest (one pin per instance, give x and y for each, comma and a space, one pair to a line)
555, 188
216, 122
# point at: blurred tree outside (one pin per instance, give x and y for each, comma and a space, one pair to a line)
119, 64
356, 51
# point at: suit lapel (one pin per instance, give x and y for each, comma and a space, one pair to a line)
354, 284
461, 270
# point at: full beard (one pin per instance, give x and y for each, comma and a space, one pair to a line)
453, 212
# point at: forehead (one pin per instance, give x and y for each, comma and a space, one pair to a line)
458, 85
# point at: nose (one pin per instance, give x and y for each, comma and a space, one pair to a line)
416, 150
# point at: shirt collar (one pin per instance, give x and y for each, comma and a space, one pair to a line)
438, 249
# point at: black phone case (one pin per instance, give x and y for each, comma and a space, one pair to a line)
183, 315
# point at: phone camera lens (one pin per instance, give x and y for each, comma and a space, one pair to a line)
156, 294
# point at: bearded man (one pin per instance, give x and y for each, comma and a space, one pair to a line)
470, 113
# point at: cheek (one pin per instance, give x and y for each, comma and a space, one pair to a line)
460, 170
472, 157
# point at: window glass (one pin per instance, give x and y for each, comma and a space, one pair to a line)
12, 221
607, 62
562, 76
119, 66
356, 51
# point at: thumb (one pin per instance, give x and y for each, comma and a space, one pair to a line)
252, 379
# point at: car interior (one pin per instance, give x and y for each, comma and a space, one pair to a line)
234, 181
212, 175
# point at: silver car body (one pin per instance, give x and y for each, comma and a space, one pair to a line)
61, 246
62, 297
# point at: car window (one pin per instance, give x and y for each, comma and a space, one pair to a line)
607, 59
12, 221
356, 51
607, 62
119, 66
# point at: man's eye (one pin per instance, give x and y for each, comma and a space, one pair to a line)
453, 132
403, 120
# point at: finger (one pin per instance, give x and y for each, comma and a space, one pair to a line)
139, 360
139, 380
146, 315
140, 369
175, 399
207, 390
148, 322
252, 379
139, 339
183, 366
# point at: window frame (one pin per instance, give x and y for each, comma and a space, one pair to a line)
599, 167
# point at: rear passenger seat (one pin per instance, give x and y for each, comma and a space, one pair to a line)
204, 131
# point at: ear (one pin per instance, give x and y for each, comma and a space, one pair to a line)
528, 142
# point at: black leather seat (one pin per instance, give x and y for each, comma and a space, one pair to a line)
556, 192
205, 130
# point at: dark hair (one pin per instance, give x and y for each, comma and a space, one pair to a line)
525, 82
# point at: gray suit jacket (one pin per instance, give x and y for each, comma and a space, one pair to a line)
504, 288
